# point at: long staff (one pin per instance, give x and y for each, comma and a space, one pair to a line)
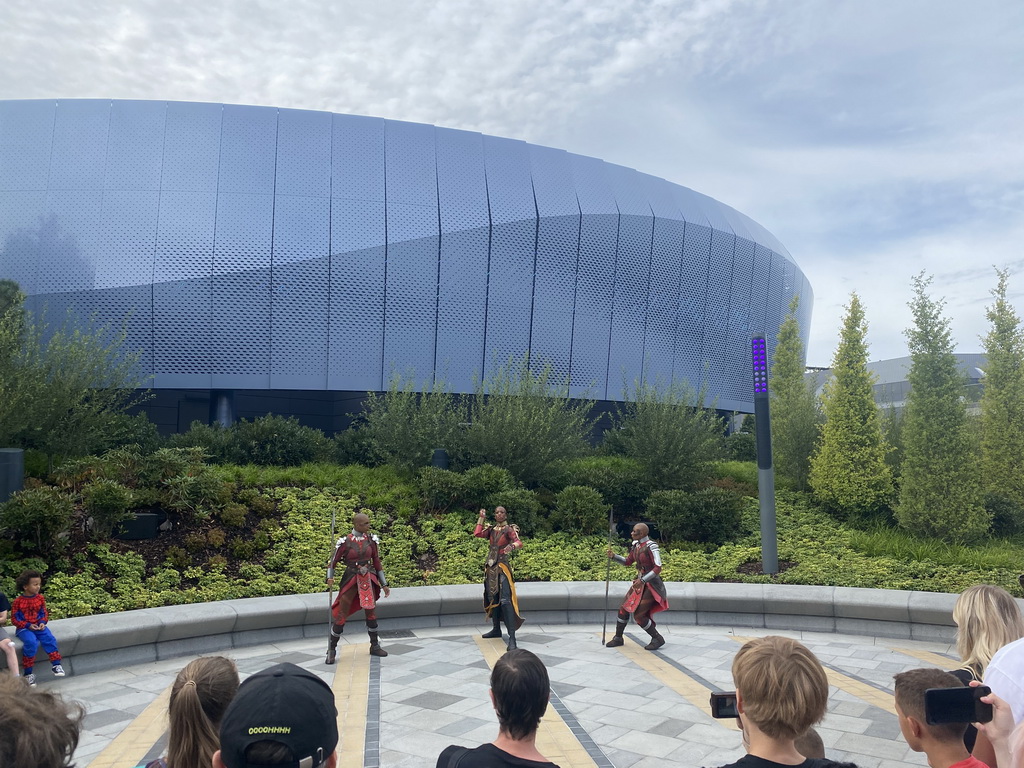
330, 593
607, 578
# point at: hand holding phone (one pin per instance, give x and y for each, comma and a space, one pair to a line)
957, 705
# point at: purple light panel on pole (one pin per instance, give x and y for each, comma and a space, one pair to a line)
759, 352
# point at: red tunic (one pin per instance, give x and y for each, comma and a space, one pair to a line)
644, 554
361, 557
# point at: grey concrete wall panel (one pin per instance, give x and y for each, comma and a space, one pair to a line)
632, 279
513, 251
358, 251
135, 145
595, 280
666, 277
410, 306
254, 248
558, 239
26, 139
464, 256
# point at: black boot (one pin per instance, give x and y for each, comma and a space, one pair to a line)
375, 649
656, 639
332, 644
496, 619
509, 615
615, 642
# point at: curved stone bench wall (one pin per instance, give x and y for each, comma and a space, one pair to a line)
92, 643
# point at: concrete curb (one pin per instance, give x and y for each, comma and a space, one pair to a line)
92, 643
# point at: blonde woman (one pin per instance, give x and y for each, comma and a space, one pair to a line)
200, 695
986, 618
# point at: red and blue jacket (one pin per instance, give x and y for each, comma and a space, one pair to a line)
29, 610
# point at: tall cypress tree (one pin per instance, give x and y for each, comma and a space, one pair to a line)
795, 416
940, 493
1002, 401
849, 473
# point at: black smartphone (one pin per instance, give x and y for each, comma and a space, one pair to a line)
723, 704
957, 705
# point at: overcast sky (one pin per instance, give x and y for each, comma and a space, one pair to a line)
874, 138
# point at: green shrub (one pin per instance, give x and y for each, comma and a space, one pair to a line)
39, 517
621, 481
75, 473
177, 558
277, 441
195, 541
1007, 515
484, 481
440, 488
125, 465
173, 462
260, 505
195, 495
353, 446
579, 509
233, 515
212, 439
242, 549
216, 537
710, 515
740, 471
261, 540
741, 446
107, 502
217, 562
523, 508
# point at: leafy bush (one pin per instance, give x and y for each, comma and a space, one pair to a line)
172, 462
39, 517
484, 481
195, 495
440, 488
739, 471
242, 548
353, 446
579, 509
233, 515
213, 439
1007, 515
741, 446
621, 481
261, 505
523, 508
277, 441
216, 537
107, 502
75, 473
710, 515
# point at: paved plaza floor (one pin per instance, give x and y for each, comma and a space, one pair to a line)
622, 707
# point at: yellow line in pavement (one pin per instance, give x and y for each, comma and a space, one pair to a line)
863, 691
929, 658
554, 739
668, 675
351, 691
132, 744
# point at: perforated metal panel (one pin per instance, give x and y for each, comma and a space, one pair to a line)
22, 225
689, 361
135, 145
26, 138
357, 254
759, 290
513, 250
465, 236
632, 278
191, 156
79, 154
666, 275
410, 306
592, 318
558, 229
739, 382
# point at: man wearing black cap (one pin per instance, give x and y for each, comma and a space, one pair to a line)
282, 716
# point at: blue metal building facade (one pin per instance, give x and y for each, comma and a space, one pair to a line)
255, 248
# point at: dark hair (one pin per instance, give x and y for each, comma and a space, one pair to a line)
26, 576
910, 688
521, 690
200, 695
37, 727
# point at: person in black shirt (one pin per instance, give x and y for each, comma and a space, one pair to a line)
519, 693
781, 691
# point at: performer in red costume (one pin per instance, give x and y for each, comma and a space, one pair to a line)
500, 600
647, 595
361, 583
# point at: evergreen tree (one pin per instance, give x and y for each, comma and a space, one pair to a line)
849, 473
1002, 401
794, 408
940, 492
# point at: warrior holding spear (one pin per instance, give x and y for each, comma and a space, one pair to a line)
361, 583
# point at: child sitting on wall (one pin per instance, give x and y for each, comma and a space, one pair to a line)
30, 619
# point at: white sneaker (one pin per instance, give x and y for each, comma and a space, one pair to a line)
30, 678
58, 671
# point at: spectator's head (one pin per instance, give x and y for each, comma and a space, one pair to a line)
37, 727
27, 579
910, 688
519, 691
199, 697
781, 686
987, 618
282, 716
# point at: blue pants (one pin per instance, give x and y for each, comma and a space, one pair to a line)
31, 640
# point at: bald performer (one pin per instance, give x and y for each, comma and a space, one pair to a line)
647, 595
361, 583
